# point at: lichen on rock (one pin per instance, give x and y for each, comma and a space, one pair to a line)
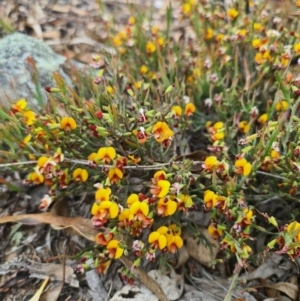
16, 79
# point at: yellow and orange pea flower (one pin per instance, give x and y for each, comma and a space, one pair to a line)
244, 127
217, 131
105, 209
103, 194
113, 249
103, 239
185, 202
189, 109
177, 111
248, 217
45, 165
158, 238
150, 47
80, 175
143, 69
210, 199
162, 133
35, 178
68, 124
282, 105
297, 47
229, 243
243, 167
232, 13
115, 175
160, 189
106, 154
141, 135
19, 106
174, 241
293, 229
210, 163
125, 218
166, 206
214, 231
103, 267
29, 117
263, 118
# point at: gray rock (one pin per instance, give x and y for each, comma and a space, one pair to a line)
16, 73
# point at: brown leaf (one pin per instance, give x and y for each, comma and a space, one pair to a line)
82, 226
290, 289
204, 249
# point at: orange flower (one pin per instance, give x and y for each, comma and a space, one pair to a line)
141, 135
162, 133
189, 109
177, 110
158, 238
210, 163
210, 199
80, 175
68, 124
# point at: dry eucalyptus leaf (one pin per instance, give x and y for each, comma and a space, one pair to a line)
82, 226
203, 249
291, 290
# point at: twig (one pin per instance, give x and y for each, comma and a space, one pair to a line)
233, 284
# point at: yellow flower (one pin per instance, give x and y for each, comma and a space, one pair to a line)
257, 26
29, 117
110, 90
209, 33
248, 216
232, 13
162, 133
282, 105
68, 124
258, 58
186, 8
177, 110
132, 199
106, 154
297, 47
26, 139
243, 167
275, 154
244, 127
35, 178
141, 207
20, 105
117, 41
186, 202
112, 208
166, 207
161, 189
256, 43
263, 118
214, 231
131, 20
294, 229
143, 69
126, 215
210, 199
218, 125
158, 238
210, 162
220, 37
80, 175
189, 109
138, 84
114, 250
115, 175
92, 157
102, 194
150, 47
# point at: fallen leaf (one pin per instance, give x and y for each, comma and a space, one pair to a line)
203, 249
82, 226
290, 289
